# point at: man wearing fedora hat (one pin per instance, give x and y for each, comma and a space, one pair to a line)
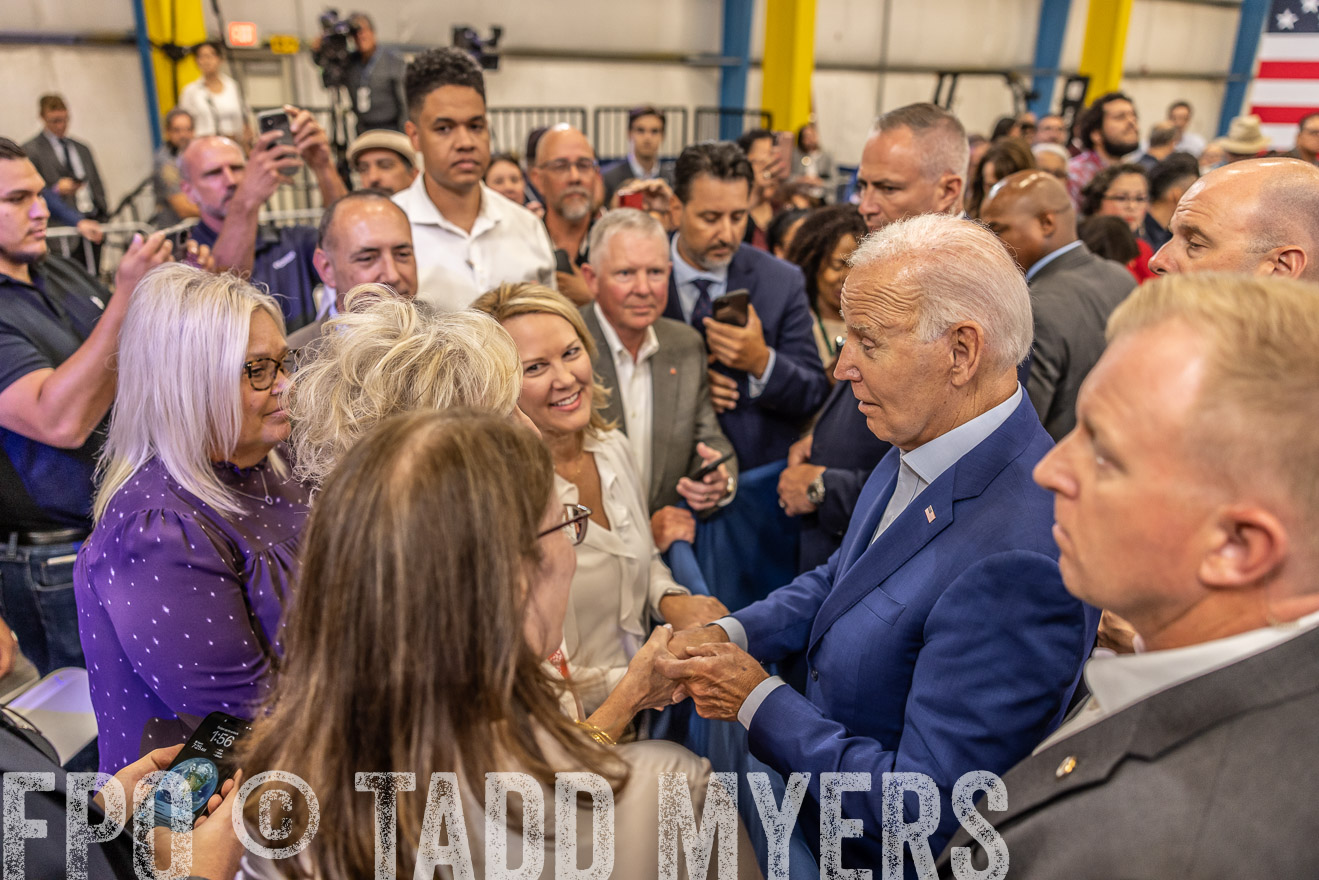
1254, 216
383, 159
1245, 139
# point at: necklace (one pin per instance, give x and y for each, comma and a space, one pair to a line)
264, 488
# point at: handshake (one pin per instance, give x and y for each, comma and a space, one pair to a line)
697, 661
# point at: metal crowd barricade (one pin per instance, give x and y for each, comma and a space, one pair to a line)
709, 121
509, 126
610, 128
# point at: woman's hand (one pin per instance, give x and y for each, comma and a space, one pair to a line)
641, 688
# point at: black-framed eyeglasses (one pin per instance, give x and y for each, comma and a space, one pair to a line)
262, 372
561, 166
575, 518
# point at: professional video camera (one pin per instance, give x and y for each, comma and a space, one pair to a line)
485, 51
338, 46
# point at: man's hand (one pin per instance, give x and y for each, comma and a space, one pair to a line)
684, 612
1115, 634
90, 230
67, 186
742, 348
800, 452
573, 285
713, 487
199, 255
309, 138
685, 639
793, 483
669, 524
142, 256
723, 391
718, 677
8, 649
269, 166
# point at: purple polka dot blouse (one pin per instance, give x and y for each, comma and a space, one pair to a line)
179, 605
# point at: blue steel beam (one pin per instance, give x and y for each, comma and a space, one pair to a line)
148, 70
1249, 28
733, 75
1048, 52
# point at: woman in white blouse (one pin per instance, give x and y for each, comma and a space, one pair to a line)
214, 101
620, 577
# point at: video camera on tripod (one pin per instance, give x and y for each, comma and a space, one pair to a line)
338, 46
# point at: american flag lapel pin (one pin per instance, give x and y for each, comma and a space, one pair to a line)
929, 513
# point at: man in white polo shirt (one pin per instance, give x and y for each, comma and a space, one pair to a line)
468, 237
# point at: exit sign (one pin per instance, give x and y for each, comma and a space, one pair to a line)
242, 34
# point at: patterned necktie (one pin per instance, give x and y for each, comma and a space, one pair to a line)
703, 309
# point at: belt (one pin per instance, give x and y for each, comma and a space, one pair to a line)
46, 538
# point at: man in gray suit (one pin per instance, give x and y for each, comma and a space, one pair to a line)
1072, 291
655, 369
66, 164
1185, 501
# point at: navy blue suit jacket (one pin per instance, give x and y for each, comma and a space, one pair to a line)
948, 645
848, 451
761, 430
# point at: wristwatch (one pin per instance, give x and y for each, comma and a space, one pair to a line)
815, 491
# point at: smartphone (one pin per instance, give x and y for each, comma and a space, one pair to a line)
203, 763
275, 120
562, 262
633, 200
706, 469
731, 308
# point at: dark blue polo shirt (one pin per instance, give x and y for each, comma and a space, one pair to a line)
283, 265
41, 325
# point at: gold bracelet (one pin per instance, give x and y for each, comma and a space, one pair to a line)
597, 734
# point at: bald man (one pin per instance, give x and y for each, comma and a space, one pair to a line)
1072, 290
566, 174
1256, 216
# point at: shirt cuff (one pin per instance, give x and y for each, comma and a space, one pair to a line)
756, 386
762, 691
737, 633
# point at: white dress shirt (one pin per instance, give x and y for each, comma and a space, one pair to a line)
917, 469
507, 244
635, 390
1117, 681
620, 576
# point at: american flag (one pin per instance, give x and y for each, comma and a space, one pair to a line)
1287, 85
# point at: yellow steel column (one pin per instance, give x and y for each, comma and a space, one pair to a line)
182, 23
1105, 44
789, 61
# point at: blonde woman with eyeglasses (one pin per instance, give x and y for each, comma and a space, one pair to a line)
184, 580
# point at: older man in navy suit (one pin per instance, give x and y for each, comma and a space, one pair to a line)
939, 638
766, 380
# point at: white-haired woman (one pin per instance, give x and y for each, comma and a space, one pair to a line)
383, 356
185, 577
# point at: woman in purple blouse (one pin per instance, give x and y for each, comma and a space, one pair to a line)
184, 580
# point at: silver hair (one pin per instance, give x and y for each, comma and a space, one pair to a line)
179, 395
385, 356
1053, 149
946, 149
619, 221
956, 270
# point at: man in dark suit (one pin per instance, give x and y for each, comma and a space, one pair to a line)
645, 137
1178, 507
767, 379
66, 164
654, 368
1072, 290
939, 638
914, 162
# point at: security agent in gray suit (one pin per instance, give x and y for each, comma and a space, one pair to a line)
655, 369
1186, 502
1072, 291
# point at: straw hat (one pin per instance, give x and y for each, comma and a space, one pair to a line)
1244, 137
383, 139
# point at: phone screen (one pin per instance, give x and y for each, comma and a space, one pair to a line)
203, 763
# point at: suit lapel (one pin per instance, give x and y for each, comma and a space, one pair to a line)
673, 308
664, 406
604, 368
